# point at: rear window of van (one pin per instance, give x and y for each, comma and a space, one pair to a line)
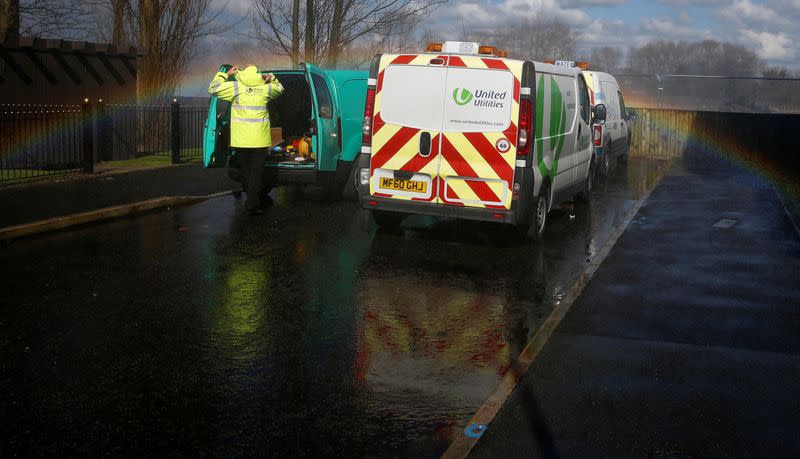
450, 99
413, 96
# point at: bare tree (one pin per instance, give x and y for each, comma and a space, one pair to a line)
9, 19
169, 32
332, 27
538, 39
701, 58
606, 59
66, 19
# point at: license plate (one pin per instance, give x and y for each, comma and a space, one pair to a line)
414, 186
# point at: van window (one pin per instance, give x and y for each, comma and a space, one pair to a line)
612, 103
413, 96
323, 96
478, 100
583, 100
622, 110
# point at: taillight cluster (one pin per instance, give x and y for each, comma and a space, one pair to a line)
369, 109
525, 129
598, 135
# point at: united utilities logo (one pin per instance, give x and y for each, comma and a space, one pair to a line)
462, 97
480, 98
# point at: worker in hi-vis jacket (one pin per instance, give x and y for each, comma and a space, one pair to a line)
249, 94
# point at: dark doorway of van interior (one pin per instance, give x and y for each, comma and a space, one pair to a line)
291, 112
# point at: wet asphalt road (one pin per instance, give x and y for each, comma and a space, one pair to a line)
202, 330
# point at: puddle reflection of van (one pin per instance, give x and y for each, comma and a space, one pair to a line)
323, 106
461, 131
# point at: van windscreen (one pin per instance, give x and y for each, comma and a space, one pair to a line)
413, 96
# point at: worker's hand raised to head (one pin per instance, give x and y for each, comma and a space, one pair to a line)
233, 70
267, 77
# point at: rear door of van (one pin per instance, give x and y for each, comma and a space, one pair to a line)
406, 127
479, 132
215, 133
445, 129
325, 142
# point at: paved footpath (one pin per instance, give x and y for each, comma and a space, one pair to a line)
39, 201
685, 343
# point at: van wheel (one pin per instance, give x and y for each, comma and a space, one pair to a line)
586, 194
540, 214
624, 158
606, 167
348, 189
388, 220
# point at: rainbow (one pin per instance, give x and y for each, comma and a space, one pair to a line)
680, 130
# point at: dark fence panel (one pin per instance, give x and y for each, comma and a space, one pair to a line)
711, 93
39, 140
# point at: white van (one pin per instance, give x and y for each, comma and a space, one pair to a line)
613, 138
461, 131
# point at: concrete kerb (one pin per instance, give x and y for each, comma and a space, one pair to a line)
98, 215
462, 445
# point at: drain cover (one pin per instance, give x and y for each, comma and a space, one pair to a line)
725, 223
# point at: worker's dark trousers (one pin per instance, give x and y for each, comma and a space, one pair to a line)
251, 161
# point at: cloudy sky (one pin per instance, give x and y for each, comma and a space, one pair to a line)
768, 27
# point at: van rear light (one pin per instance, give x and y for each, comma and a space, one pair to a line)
525, 121
598, 135
369, 108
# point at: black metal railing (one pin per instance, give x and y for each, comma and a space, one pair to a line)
40, 140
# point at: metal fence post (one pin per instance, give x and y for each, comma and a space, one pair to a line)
176, 132
104, 149
88, 137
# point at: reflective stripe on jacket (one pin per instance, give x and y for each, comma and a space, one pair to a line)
249, 95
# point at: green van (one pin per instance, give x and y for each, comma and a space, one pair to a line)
326, 106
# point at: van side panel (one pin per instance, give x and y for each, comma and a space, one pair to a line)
555, 128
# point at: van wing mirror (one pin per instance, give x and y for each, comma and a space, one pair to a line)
599, 114
630, 114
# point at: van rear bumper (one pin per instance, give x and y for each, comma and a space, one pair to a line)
519, 212
437, 210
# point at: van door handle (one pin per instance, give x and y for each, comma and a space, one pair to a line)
425, 144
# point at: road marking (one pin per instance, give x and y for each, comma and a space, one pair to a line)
464, 442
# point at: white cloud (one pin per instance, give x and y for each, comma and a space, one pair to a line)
770, 46
666, 29
747, 11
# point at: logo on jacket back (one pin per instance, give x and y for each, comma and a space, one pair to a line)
462, 97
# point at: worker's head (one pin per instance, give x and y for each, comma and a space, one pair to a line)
249, 75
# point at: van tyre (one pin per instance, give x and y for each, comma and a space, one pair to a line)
388, 220
606, 167
624, 157
540, 210
586, 194
348, 189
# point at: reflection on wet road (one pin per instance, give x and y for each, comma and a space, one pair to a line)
304, 332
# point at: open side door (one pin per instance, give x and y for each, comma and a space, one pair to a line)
216, 133
326, 142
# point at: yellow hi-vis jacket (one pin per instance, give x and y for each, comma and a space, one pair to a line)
249, 95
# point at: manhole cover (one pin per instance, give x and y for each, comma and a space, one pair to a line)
725, 223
